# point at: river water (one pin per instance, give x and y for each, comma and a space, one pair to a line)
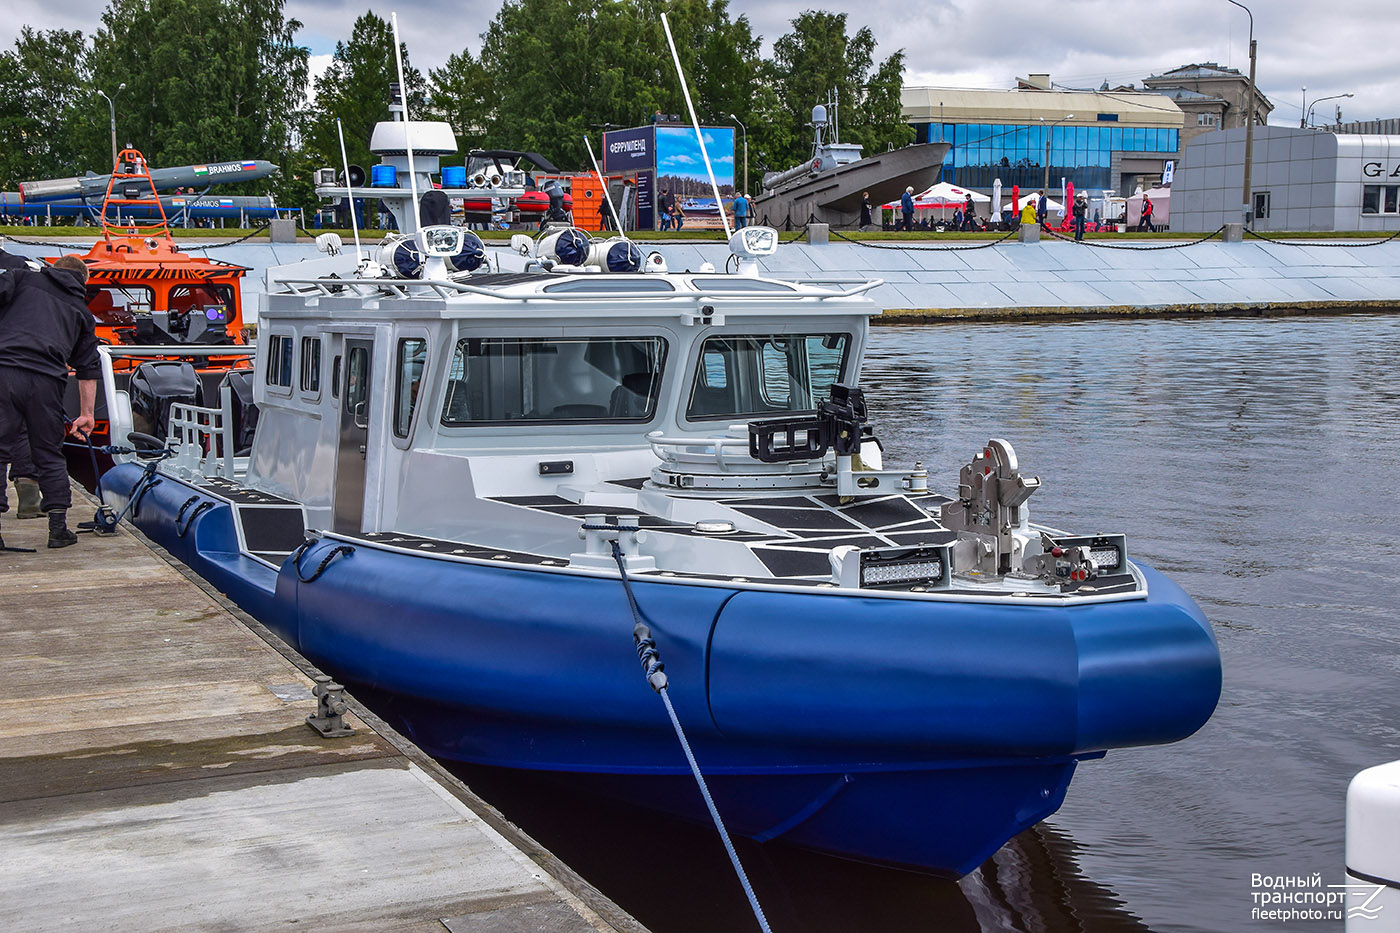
1254, 460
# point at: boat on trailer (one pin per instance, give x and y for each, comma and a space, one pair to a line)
443, 465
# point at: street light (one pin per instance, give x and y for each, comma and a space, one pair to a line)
1303, 113
746, 151
1045, 181
112, 113
1320, 100
1249, 119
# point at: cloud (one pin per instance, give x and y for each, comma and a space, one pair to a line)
968, 43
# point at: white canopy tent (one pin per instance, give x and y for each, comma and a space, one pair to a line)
942, 195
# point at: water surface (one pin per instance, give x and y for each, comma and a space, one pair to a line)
1254, 460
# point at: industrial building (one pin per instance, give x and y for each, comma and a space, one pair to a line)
1302, 179
1034, 135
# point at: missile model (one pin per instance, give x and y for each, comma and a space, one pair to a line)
194, 176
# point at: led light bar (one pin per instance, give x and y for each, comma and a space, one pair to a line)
925, 566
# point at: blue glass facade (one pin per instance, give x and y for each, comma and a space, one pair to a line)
1016, 154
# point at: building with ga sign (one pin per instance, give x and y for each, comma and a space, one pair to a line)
1303, 179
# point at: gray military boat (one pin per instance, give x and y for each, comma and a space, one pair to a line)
828, 186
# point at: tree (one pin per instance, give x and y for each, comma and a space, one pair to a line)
461, 93
355, 88
206, 80
41, 82
562, 68
817, 58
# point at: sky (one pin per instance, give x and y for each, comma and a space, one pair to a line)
1336, 47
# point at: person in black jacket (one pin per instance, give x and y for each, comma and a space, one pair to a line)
21, 469
45, 329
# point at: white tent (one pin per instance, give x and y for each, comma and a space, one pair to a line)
940, 195
1161, 207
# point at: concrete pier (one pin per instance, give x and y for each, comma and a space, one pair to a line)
157, 773
938, 279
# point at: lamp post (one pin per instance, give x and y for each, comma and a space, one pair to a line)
1303, 113
745, 130
1249, 119
1045, 180
1314, 104
112, 113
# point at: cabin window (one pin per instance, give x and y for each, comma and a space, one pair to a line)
335, 376
413, 353
542, 380
311, 365
765, 375
118, 305
279, 361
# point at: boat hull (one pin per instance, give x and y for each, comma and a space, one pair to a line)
902, 731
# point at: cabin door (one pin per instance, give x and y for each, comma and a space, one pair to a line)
354, 435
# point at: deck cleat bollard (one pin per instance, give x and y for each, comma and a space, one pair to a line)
331, 708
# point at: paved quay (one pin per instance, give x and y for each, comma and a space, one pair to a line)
933, 279
157, 773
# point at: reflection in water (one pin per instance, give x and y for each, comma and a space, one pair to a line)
1253, 460
675, 877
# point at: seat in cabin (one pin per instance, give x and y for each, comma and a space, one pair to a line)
632, 398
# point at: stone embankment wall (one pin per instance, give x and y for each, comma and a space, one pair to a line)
928, 281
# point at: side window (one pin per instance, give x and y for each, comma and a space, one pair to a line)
335, 377
311, 365
279, 361
357, 382
412, 354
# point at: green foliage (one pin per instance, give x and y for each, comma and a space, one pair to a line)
206, 80
563, 69
461, 93
810, 62
41, 81
355, 88
214, 80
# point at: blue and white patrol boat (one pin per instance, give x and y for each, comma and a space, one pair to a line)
458, 452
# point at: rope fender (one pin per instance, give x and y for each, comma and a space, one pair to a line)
331, 555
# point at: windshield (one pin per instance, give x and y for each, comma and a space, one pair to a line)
765, 375
509, 380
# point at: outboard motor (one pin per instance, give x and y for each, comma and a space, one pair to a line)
556, 210
245, 410
155, 385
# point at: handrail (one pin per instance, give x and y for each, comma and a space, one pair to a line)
400, 288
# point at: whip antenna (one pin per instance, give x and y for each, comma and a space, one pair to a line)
607, 198
685, 89
407, 124
349, 194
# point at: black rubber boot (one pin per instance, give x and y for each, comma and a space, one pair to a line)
27, 491
59, 535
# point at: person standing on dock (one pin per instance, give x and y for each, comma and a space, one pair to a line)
866, 220
906, 206
45, 329
668, 206
969, 221
21, 469
1042, 207
1145, 221
741, 211
1081, 207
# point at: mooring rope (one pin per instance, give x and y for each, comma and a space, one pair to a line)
656, 676
1136, 249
